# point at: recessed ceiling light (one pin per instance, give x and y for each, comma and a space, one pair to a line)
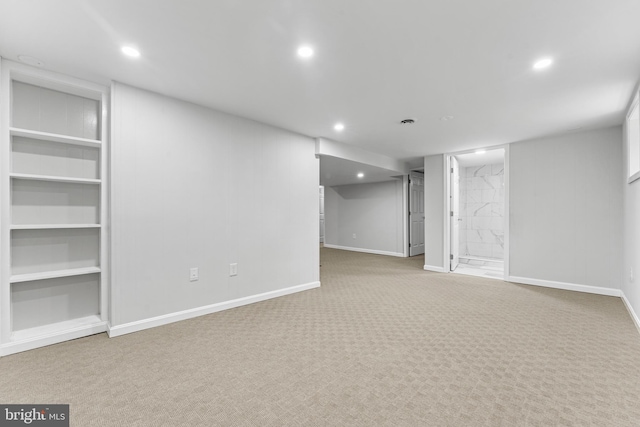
130, 51
446, 118
360, 175
305, 52
481, 151
339, 127
30, 60
543, 63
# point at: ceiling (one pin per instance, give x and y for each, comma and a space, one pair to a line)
335, 171
375, 63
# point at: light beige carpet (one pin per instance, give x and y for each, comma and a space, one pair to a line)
382, 343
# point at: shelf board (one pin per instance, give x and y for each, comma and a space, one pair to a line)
51, 226
54, 178
18, 278
56, 328
46, 136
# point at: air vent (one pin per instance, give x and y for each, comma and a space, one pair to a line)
30, 60
407, 121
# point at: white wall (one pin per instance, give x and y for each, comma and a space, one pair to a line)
434, 190
192, 187
631, 238
373, 212
565, 208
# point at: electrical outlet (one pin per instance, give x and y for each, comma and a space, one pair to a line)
193, 274
354, 235
233, 269
631, 275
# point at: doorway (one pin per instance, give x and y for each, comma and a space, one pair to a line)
416, 213
478, 213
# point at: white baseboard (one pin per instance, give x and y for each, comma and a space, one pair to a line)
140, 325
566, 286
367, 251
632, 313
434, 268
52, 338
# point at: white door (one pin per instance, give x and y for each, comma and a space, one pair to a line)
416, 213
321, 214
455, 214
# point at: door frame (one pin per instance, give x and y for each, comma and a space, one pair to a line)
447, 205
453, 223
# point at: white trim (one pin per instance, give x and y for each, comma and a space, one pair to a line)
434, 268
5, 210
52, 338
507, 212
140, 325
635, 103
405, 216
566, 286
632, 313
446, 226
366, 251
109, 292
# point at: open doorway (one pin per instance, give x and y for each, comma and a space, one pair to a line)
478, 213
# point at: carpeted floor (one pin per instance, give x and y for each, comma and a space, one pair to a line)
381, 343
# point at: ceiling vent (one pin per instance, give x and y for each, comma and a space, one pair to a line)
407, 121
30, 60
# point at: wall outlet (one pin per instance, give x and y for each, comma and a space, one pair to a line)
233, 269
631, 275
354, 235
193, 274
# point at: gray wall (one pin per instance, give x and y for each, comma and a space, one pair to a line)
434, 210
194, 187
565, 208
373, 212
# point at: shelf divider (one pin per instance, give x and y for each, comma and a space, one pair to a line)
51, 226
28, 277
51, 178
46, 136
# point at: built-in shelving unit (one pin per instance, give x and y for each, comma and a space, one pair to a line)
54, 280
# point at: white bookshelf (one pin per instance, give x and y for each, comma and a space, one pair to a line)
54, 275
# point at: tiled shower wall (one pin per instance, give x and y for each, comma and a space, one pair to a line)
482, 211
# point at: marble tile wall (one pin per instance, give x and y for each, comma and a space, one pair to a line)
482, 211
